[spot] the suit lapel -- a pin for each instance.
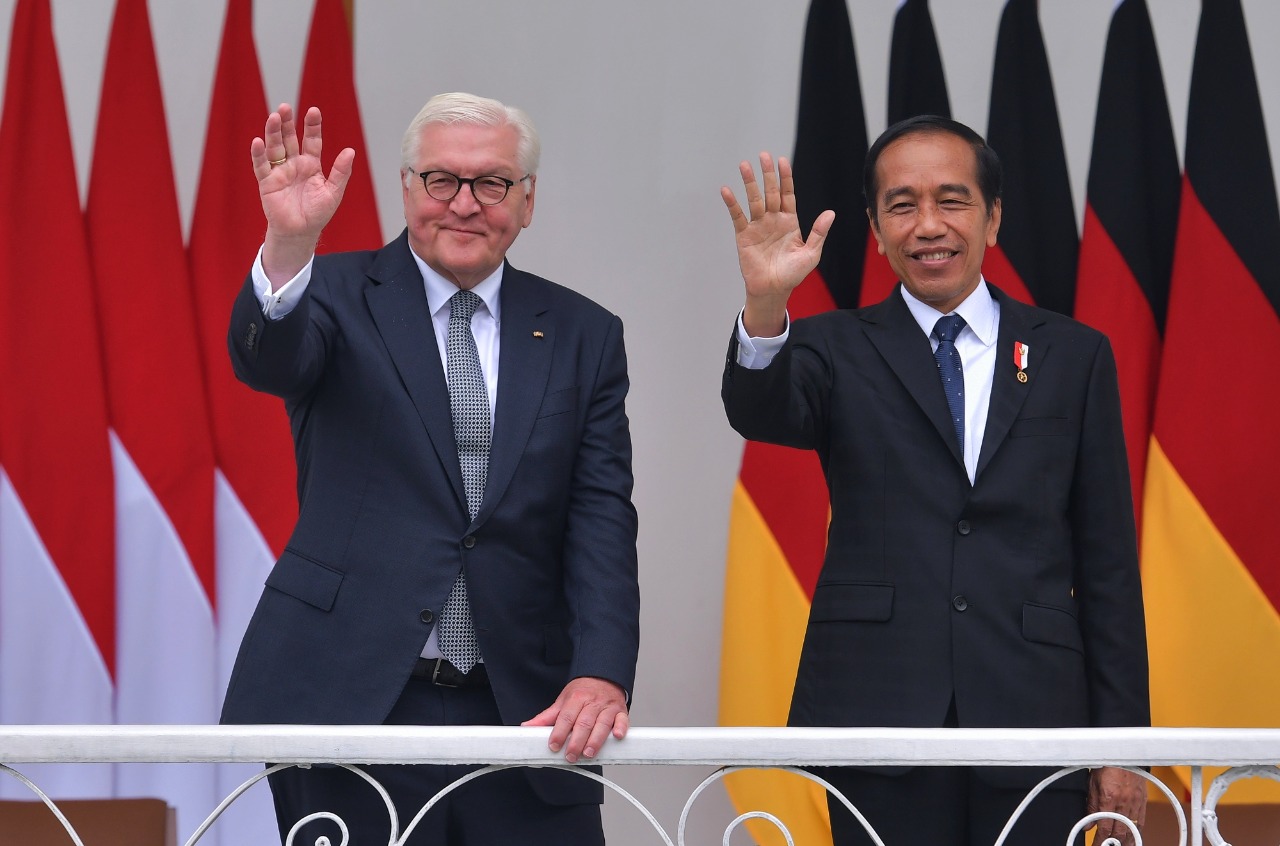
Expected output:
(906, 350)
(398, 303)
(1008, 393)
(528, 339)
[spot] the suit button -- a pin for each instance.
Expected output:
(963, 527)
(960, 603)
(426, 616)
(469, 541)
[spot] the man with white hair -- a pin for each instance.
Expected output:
(465, 551)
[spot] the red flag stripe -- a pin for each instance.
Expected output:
(328, 81)
(1110, 299)
(997, 270)
(53, 424)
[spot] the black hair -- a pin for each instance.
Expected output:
(990, 171)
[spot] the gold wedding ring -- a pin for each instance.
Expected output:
(275, 162)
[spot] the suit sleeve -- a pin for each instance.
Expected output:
(600, 564)
(284, 357)
(1108, 588)
(784, 403)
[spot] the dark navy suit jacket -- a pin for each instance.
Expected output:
(1017, 595)
(383, 527)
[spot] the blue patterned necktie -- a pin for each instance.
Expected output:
(950, 369)
(469, 403)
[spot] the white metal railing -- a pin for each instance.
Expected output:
(1251, 753)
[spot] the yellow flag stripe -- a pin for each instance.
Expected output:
(764, 621)
(1212, 633)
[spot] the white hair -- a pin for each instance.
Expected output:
(471, 109)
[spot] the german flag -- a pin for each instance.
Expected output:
(917, 86)
(1035, 259)
(1131, 221)
(1210, 535)
(779, 514)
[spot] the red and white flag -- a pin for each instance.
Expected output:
(161, 448)
(57, 580)
(255, 498)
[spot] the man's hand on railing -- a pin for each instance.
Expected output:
(1121, 792)
(583, 716)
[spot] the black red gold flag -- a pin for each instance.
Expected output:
(1035, 259)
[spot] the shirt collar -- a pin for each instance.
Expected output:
(439, 289)
(980, 311)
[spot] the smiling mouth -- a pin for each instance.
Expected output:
(935, 255)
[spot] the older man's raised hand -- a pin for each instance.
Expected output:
(297, 198)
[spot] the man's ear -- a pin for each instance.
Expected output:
(528, 202)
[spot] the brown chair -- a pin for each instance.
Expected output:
(99, 822)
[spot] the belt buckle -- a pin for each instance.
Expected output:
(435, 674)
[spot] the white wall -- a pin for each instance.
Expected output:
(645, 107)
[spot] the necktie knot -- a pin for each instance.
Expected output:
(948, 327)
(462, 305)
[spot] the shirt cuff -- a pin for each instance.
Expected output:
(758, 353)
(277, 304)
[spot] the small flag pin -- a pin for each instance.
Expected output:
(1021, 355)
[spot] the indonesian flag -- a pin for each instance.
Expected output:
(1130, 222)
(1210, 534)
(255, 498)
(1035, 259)
(57, 537)
(328, 81)
(779, 512)
(917, 86)
(161, 448)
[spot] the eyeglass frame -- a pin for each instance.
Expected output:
(470, 183)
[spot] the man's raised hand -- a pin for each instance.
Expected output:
(772, 255)
(297, 199)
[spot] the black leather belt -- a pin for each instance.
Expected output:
(440, 672)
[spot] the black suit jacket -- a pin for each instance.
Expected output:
(383, 527)
(1017, 595)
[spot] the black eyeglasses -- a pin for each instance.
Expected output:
(488, 190)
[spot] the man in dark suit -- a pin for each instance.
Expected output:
(981, 566)
(465, 551)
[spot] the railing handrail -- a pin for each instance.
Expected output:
(713, 746)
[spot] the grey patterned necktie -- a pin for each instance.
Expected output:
(946, 330)
(469, 402)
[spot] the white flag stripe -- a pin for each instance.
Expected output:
(45, 643)
(243, 562)
(166, 662)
